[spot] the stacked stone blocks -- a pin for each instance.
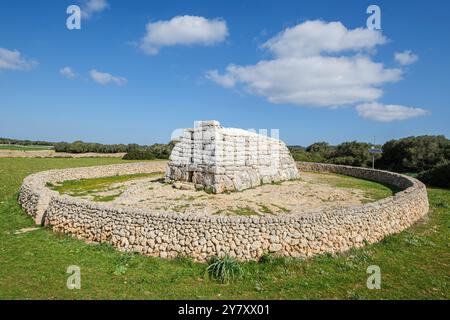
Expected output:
(227, 159)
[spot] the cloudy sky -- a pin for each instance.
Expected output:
(137, 70)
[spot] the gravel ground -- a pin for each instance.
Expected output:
(305, 195)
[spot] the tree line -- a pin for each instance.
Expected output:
(26, 142)
(133, 151)
(410, 155)
(426, 156)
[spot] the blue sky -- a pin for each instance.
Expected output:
(127, 88)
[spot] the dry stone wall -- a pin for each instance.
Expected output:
(170, 234)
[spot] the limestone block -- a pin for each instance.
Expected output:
(229, 158)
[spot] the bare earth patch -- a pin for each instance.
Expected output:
(314, 191)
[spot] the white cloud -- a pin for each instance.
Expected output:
(13, 60)
(406, 57)
(67, 72)
(105, 78)
(312, 67)
(226, 81)
(387, 113)
(183, 30)
(90, 7)
(315, 81)
(314, 37)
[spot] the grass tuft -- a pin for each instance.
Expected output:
(247, 211)
(270, 259)
(265, 209)
(224, 269)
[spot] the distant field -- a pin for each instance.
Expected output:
(414, 264)
(24, 148)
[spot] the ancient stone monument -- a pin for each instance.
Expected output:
(226, 159)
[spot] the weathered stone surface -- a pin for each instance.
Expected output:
(170, 234)
(228, 159)
(183, 186)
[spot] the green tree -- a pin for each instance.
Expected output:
(415, 154)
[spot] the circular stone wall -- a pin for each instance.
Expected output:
(171, 234)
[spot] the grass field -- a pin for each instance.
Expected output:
(24, 148)
(414, 263)
(372, 190)
(84, 187)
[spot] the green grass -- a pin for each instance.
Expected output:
(265, 209)
(84, 187)
(24, 148)
(285, 210)
(244, 211)
(373, 191)
(107, 198)
(414, 264)
(224, 269)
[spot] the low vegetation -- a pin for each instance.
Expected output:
(7, 141)
(438, 176)
(244, 211)
(373, 191)
(412, 154)
(24, 148)
(84, 187)
(135, 151)
(348, 153)
(415, 154)
(156, 151)
(224, 269)
(414, 264)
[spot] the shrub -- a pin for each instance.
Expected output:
(83, 147)
(224, 269)
(345, 161)
(139, 154)
(412, 154)
(321, 149)
(415, 154)
(348, 153)
(353, 153)
(156, 151)
(270, 259)
(300, 154)
(438, 176)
